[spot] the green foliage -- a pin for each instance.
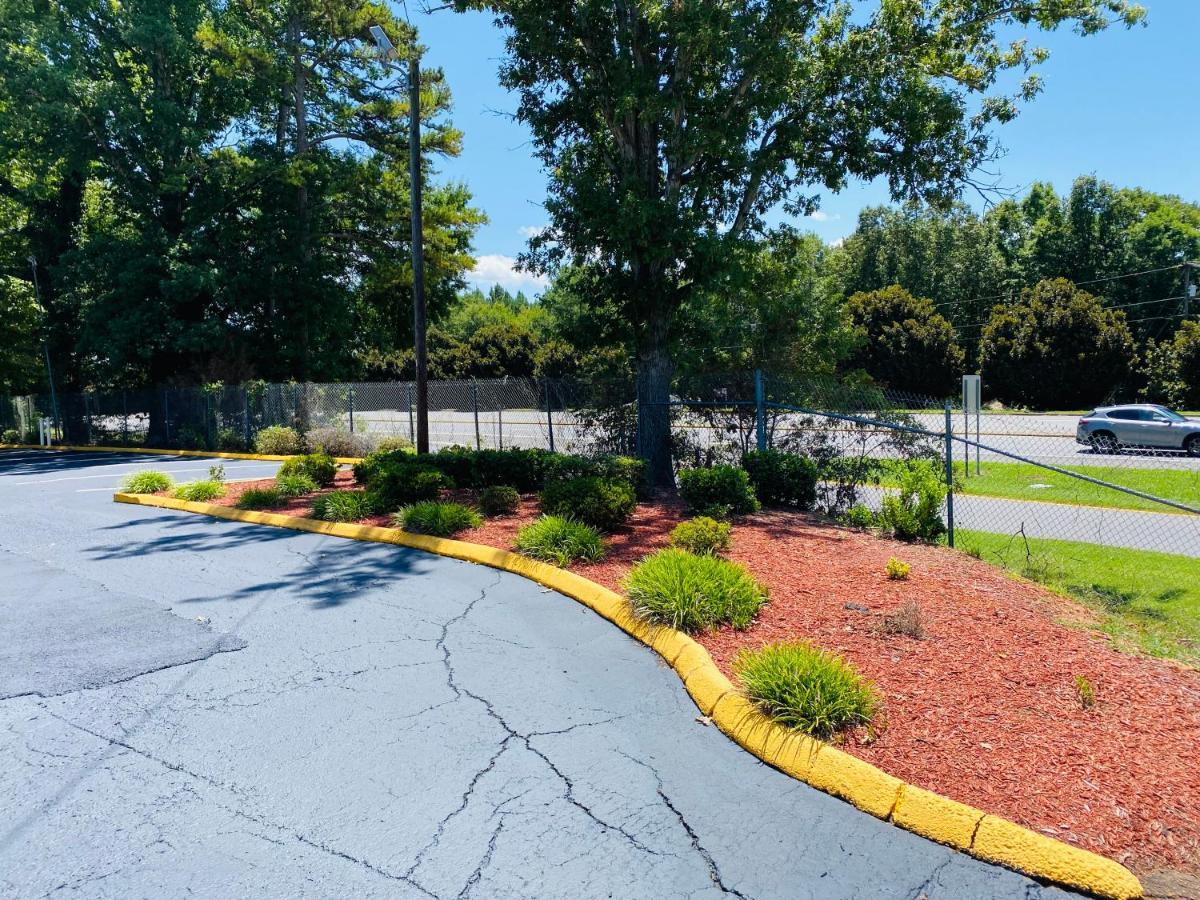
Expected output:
(1055, 347)
(399, 479)
(499, 500)
(200, 491)
(260, 498)
(217, 472)
(906, 343)
(914, 512)
(806, 688)
(560, 540)
(394, 442)
(897, 570)
(295, 485)
(20, 319)
(693, 593)
(1172, 368)
(1085, 691)
(782, 479)
(719, 492)
(520, 468)
(703, 536)
(278, 440)
(147, 482)
(10, 436)
(344, 506)
(436, 518)
(320, 467)
(860, 516)
(599, 502)
(231, 440)
(563, 467)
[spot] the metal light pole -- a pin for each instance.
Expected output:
(418, 241)
(37, 296)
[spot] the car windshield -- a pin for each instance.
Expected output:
(1170, 414)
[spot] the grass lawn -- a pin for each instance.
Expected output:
(1150, 601)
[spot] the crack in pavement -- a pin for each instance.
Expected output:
(921, 892)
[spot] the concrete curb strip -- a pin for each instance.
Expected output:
(814, 762)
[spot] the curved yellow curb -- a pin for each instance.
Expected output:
(825, 767)
(220, 454)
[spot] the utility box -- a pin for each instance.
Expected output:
(972, 388)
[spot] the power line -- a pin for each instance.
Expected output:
(1075, 283)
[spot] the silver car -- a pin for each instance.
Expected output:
(1108, 429)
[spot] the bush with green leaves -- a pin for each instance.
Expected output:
(599, 502)
(392, 442)
(278, 440)
(231, 440)
(914, 512)
(703, 535)
(148, 482)
(343, 506)
(295, 485)
(10, 436)
(339, 442)
(437, 518)
(200, 491)
(782, 479)
(521, 468)
(806, 688)
(499, 500)
(320, 467)
(560, 540)
(718, 492)
(859, 516)
(693, 593)
(566, 466)
(401, 480)
(909, 345)
(260, 498)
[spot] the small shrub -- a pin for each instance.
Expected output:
(10, 436)
(231, 440)
(1085, 692)
(782, 479)
(595, 501)
(859, 516)
(389, 444)
(456, 463)
(200, 491)
(693, 593)
(216, 473)
(148, 482)
(907, 620)
(897, 570)
(278, 440)
(523, 469)
(560, 540)
(499, 500)
(320, 467)
(703, 536)
(192, 438)
(403, 481)
(437, 519)
(296, 485)
(259, 498)
(806, 688)
(565, 467)
(343, 506)
(339, 442)
(718, 492)
(915, 512)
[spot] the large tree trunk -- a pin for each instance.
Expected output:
(654, 373)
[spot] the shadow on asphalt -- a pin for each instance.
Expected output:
(46, 462)
(330, 573)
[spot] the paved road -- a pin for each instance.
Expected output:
(394, 724)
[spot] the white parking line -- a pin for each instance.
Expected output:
(122, 474)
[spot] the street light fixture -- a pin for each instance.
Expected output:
(388, 50)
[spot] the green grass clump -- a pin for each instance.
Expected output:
(560, 540)
(499, 500)
(693, 593)
(343, 506)
(806, 688)
(259, 498)
(148, 482)
(278, 440)
(200, 491)
(1148, 601)
(294, 485)
(702, 535)
(436, 518)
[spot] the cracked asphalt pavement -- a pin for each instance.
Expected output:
(260, 713)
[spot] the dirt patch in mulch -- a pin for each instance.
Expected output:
(984, 709)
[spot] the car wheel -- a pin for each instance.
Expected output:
(1192, 445)
(1104, 442)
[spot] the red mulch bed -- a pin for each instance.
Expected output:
(984, 709)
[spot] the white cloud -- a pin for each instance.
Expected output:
(820, 216)
(529, 231)
(496, 268)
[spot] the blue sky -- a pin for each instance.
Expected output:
(1120, 104)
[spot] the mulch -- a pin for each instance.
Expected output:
(984, 708)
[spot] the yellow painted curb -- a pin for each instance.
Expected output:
(825, 767)
(219, 454)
